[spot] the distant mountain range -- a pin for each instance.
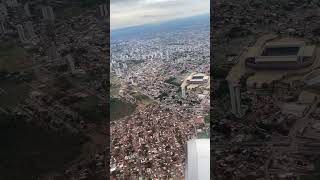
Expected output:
(171, 25)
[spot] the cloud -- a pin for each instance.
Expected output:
(123, 1)
(125, 13)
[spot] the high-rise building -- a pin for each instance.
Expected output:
(183, 90)
(53, 52)
(47, 13)
(3, 28)
(12, 3)
(235, 99)
(21, 33)
(27, 9)
(103, 10)
(71, 63)
(3, 10)
(30, 30)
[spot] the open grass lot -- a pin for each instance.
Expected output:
(142, 99)
(115, 86)
(120, 109)
(114, 90)
(114, 80)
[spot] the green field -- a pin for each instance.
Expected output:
(120, 109)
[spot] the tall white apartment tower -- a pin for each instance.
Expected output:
(47, 13)
(103, 9)
(235, 99)
(21, 33)
(183, 90)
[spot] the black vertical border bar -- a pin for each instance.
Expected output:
(107, 126)
(212, 22)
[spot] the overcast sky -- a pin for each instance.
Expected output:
(125, 13)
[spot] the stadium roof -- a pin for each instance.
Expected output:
(277, 59)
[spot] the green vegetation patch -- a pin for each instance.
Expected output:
(183, 71)
(91, 111)
(220, 72)
(310, 177)
(28, 151)
(63, 83)
(222, 90)
(72, 12)
(114, 80)
(162, 95)
(115, 86)
(13, 58)
(173, 81)
(203, 135)
(16, 93)
(243, 80)
(114, 90)
(120, 109)
(139, 96)
(142, 98)
(315, 176)
(207, 119)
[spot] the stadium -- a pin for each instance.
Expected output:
(281, 55)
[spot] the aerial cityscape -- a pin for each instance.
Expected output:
(159, 98)
(265, 112)
(53, 74)
(160, 89)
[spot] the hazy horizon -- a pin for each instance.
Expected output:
(160, 22)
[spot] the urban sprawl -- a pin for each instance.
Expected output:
(171, 70)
